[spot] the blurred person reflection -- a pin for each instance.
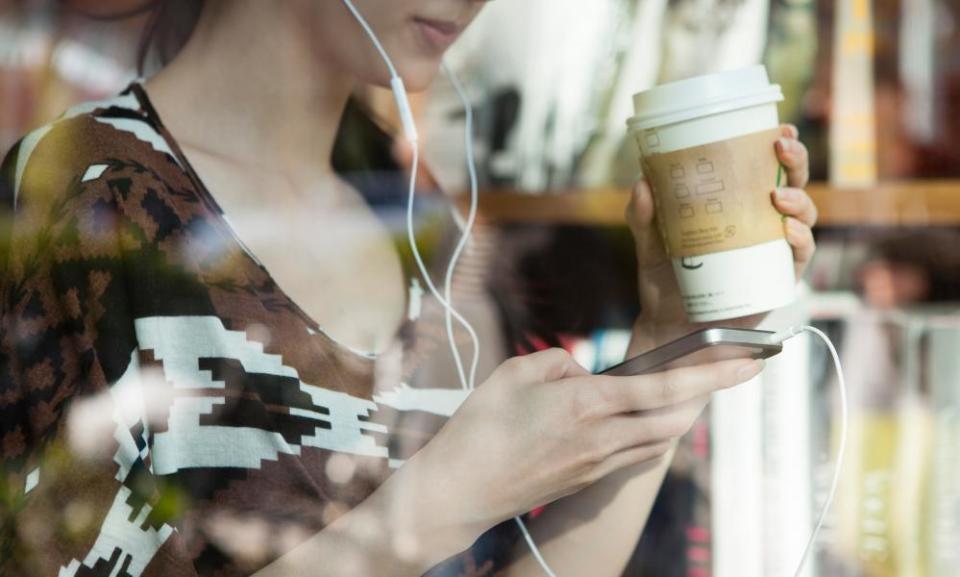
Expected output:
(907, 275)
(904, 271)
(249, 428)
(912, 268)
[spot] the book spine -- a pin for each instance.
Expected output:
(787, 490)
(737, 481)
(943, 506)
(699, 544)
(912, 457)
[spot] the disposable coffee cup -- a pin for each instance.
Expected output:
(707, 148)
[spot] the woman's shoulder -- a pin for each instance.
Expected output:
(87, 142)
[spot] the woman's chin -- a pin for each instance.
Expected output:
(418, 76)
(414, 80)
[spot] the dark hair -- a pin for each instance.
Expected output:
(169, 26)
(932, 250)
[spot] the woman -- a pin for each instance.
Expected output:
(242, 436)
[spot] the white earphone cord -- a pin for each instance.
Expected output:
(468, 380)
(465, 233)
(841, 450)
(448, 282)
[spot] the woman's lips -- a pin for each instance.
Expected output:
(438, 33)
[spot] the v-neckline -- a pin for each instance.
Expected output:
(223, 220)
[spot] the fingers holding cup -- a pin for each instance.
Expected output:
(660, 299)
(793, 155)
(801, 241)
(797, 203)
(800, 216)
(641, 217)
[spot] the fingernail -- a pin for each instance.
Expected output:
(750, 370)
(785, 144)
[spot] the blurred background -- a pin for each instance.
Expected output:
(874, 87)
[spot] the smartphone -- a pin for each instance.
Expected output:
(699, 348)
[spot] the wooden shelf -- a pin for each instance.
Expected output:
(910, 203)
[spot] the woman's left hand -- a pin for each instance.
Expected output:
(662, 316)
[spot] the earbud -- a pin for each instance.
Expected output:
(403, 105)
(396, 83)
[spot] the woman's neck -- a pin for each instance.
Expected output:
(254, 86)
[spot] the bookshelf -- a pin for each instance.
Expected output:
(907, 203)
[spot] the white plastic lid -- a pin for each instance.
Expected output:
(703, 96)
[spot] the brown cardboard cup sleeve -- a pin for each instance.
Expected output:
(716, 197)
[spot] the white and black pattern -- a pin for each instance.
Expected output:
(182, 344)
(338, 421)
(126, 544)
(125, 282)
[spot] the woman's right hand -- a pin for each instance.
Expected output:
(542, 427)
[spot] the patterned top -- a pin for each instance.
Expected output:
(166, 409)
